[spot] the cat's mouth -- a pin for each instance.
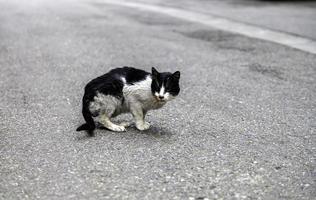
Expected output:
(160, 100)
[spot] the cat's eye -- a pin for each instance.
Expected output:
(168, 83)
(155, 81)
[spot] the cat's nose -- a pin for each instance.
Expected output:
(160, 97)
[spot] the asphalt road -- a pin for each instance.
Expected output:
(292, 16)
(243, 126)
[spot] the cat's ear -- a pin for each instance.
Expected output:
(176, 75)
(154, 72)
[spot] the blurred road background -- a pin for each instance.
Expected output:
(242, 128)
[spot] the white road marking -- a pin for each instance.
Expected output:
(224, 24)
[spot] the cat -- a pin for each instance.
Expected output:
(124, 90)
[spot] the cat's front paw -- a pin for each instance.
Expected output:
(142, 126)
(117, 128)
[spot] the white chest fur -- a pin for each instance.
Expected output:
(140, 94)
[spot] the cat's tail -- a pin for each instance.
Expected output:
(83, 127)
(89, 126)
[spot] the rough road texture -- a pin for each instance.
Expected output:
(242, 128)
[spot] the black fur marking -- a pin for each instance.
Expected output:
(172, 83)
(132, 75)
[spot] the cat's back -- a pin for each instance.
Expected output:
(131, 75)
(114, 81)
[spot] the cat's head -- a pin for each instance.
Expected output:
(165, 85)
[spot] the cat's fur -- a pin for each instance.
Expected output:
(123, 90)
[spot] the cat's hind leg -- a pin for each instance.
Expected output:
(107, 106)
(106, 122)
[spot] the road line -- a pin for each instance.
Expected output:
(224, 24)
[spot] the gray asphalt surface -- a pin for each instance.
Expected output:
(291, 16)
(242, 128)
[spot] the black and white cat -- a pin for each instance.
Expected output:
(123, 90)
